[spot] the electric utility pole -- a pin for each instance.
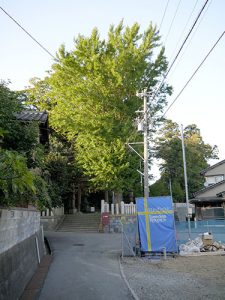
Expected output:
(185, 181)
(144, 95)
(146, 188)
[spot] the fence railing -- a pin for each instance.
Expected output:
(129, 209)
(56, 211)
(118, 208)
(197, 228)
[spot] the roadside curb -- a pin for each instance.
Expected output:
(135, 296)
(35, 285)
(33, 288)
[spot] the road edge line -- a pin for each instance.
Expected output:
(134, 295)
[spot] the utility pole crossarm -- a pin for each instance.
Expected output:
(129, 145)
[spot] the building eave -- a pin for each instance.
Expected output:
(32, 115)
(207, 200)
(212, 167)
(208, 188)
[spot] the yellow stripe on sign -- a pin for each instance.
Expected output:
(147, 225)
(159, 212)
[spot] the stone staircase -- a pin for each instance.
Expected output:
(80, 222)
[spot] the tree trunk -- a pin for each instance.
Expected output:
(131, 196)
(118, 197)
(73, 196)
(79, 198)
(107, 196)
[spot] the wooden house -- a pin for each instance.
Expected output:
(210, 200)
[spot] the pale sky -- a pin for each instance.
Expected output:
(53, 22)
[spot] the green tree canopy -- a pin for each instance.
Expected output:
(169, 150)
(60, 170)
(19, 152)
(15, 135)
(15, 177)
(90, 94)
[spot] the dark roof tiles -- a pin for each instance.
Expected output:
(32, 115)
(208, 188)
(212, 167)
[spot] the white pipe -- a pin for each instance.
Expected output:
(37, 247)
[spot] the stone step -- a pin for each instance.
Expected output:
(80, 222)
(77, 230)
(76, 215)
(80, 226)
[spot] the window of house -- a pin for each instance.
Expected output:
(219, 178)
(214, 179)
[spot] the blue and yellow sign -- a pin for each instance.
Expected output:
(156, 224)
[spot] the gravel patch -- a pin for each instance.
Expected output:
(177, 278)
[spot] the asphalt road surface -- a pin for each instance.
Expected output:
(85, 267)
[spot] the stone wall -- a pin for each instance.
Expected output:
(51, 219)
(51, 223)
(21, 249)
(17, 225)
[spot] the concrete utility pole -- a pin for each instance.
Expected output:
(185, 181)
(146, 188)
(144, 95)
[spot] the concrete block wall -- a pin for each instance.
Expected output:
(17, 225)
(18, 264)
(21, 249)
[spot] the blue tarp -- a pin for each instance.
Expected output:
(156, 224)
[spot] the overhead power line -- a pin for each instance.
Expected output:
(183, 30)
(33, 38)
(164, 14)
(171, 24)
(179, 51)
(210, 51)
(191, 38)
(185, 40)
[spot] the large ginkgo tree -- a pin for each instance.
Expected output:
(90, 94)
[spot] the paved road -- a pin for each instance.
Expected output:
(85, 267)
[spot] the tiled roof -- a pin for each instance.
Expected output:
(207, 199)
(32, 115)
(208, 188)
(212, 167)
(221, 194)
